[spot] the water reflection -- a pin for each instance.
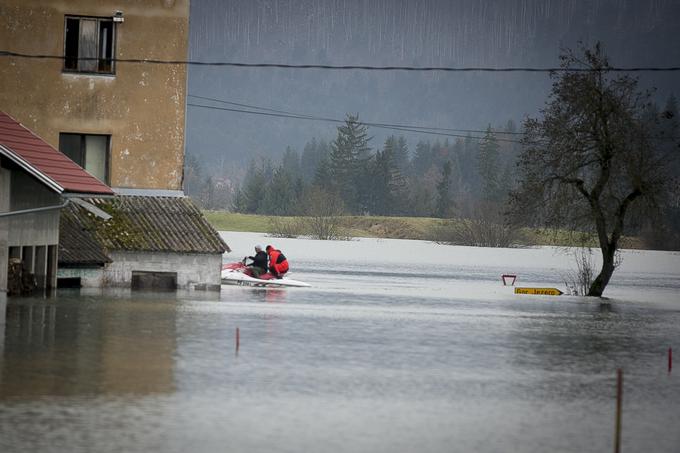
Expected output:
(87, 347)
(382, 360)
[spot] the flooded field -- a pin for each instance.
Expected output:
(399, 346)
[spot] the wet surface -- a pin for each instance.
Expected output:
(374, 357)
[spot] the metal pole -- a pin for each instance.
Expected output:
(31, 211)
(238, 339)
(619, 398)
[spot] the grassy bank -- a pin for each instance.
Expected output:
(422, 228)
(358, 226)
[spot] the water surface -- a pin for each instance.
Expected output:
(398, 346)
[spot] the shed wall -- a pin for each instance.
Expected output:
(90, 277)
(193, 270)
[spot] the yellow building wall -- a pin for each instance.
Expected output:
(142, 106)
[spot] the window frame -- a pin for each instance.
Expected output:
(83, 153)
(114, 33)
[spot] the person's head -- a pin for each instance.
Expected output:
(269, 248)
(258, 248)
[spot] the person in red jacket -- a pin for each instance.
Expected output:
(278, 264)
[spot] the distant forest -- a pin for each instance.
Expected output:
(452, 177)
(440, 178)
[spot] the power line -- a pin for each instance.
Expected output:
(6, 53)
(334, 120)
(423, 128)
(396, 127)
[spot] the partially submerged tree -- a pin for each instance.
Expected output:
(590, 157)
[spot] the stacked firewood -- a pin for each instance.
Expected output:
(19, 279)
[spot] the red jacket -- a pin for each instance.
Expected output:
(278, 264)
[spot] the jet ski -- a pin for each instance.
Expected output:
(239, 274)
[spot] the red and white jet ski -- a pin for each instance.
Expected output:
(240, 274)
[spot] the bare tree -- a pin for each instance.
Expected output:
(591, 156)
(324, 215)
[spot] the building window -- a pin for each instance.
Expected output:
(89, 151)
(88, 44)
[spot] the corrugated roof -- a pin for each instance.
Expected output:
(153, 224)
(47, 160)
(78, 243)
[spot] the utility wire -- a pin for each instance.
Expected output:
(405, 127)
(334, 120)
(6, 53)
(396, 127)
(423, 128)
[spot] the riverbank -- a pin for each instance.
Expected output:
(421, 228)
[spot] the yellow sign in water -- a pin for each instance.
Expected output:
(539, 291)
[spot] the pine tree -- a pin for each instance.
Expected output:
(488, 167)
(279, 197)
(323, 177)
(309, 161)
(389, 191)
(443, 204)
(422, 159)
(348, 163)
(291, 162)
(401, 155)
(253, 189)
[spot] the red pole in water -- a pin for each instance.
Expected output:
(670, 359)
(619, 398)
(238, 338)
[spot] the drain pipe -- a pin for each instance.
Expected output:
(31, 211)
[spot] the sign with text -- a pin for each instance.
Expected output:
(539, 291)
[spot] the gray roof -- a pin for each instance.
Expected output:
(138, 223)
(78, 244)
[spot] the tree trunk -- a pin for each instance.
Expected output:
(610, 246)
(608, 266)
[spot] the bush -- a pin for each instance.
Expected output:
(485, 228)
(324, 216)
(322, 219)
(286, 227)
(578, 281)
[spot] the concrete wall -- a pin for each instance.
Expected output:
(40, 228)
(32, 237)
(90, 277)
(142, 106)
(192, 269)
(4, 229)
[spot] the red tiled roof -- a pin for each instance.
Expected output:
(48, 161)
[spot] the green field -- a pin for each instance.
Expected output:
(358, 226)
(429, 229)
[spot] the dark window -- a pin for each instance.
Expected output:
(166, 281)
(89, 151)
(69, 282)
(88, 44)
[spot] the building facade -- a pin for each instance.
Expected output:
(122, 122)
(95, 79)
(149, 242)
(36, 183)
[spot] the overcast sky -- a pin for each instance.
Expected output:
(455, 33)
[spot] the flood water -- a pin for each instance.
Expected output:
(399, 346)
